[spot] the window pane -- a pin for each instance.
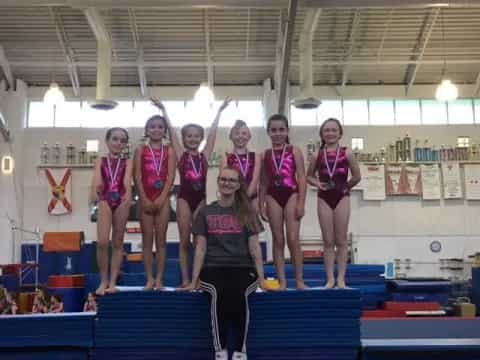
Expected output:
(329, 109)
(357, 144)
(229, 115)
(434, 112)
(92, 118)
(200, 113)
(251, 112)
(355, 112)
(120, 116)
(303, 117)
(68, 114)
(142, 110)
(476, 106)
(460, 112)
(407, 112)
(40, 114)
(381, 112)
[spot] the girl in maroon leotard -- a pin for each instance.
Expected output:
(112, 187)
(248, 163)
(154, 175)
(192, 168)
(329, 173)
(282, 197)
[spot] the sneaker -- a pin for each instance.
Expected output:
(239, 356)
(221, 355)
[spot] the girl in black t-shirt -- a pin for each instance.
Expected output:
(228, 261)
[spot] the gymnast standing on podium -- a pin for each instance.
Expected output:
(228, 261)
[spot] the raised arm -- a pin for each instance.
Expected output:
(174, 139)
(212, 132)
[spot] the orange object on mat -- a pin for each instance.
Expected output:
(412, 306)
(66, 281)
(135, 257)
(383, 314)
(25, 302)
(62, 241)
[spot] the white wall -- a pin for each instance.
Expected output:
(400, 227)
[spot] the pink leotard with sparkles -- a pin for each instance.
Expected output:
(193, 186)
(288, 186)
(149, 175)
(247, 162)
(340, 176)
(113, 187)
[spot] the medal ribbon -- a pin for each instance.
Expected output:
(278, 167)
(157, 164)
(194, 167)
(331, 171)
(243, 169)
(112, 175)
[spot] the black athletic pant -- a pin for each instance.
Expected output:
(229, 288)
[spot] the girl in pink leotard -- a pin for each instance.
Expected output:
(282, 197)
(154, 165)
(328, 172)
(192, 167)
(111, 186)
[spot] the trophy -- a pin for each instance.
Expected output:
(44, 153)
(70, 154)
(57, 152)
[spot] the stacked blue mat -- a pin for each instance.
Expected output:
(421, 339)
(418, 291)
(310, 324)
(153, 325)
(314, 324)
(366, 278)
(46, 337)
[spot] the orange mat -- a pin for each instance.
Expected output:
(63, 241)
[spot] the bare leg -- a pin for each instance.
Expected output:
(161, 225)
(104, 224)
(341, 219)
(120, 218)
(325, 218)
(146, 222)
(184, 221)
(275, 216)
(293, 240)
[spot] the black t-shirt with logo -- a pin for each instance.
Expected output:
(227, 239)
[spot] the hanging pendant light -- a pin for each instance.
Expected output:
(54, 95)
(446, 91)
(204, 95)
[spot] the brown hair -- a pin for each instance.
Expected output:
(110, 131)
(152, 119)
(336, 121)
(195, 126)
(244, 211)
(278, 117)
